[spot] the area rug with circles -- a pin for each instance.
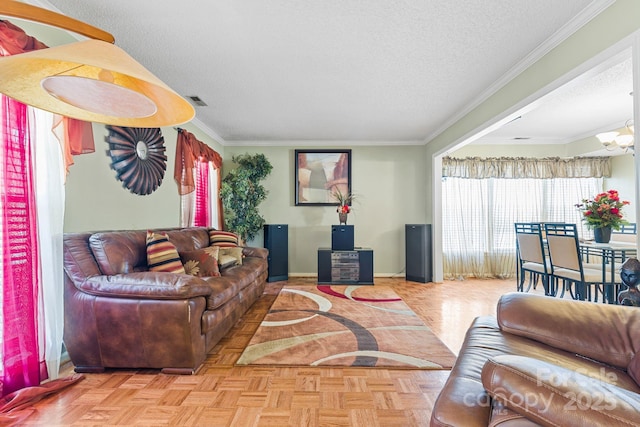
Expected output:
(367, 326)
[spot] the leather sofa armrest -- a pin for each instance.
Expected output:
(603, 332)
(552, 395)
(255, 252)
(146, 285)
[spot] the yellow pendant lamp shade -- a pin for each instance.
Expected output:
(93, 81)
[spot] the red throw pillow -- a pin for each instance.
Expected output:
(202, 262)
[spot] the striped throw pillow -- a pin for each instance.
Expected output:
(224, 239)
(162, 255)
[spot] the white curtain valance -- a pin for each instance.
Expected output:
(523, 167)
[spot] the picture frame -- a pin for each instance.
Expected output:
(319, 173)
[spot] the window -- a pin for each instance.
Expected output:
(478, 236)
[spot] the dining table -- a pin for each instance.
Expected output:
(611, 254)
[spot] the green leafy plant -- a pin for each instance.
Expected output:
(604, 210)
(241, 193)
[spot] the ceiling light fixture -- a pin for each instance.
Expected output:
(623, 139)
(91, 80)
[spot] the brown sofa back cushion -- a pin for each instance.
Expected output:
(634, 368)
(602, 332)
(121, 252)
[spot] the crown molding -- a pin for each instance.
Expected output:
(207, 130)
(319, 143)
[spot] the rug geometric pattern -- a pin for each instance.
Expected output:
(367, 326)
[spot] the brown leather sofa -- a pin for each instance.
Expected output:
(546, 361)
(119, 315)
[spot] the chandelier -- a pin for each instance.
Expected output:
(623, 139)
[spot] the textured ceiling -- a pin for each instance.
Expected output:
(580, 109)
(330, 70)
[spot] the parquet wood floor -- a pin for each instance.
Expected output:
(221, 394)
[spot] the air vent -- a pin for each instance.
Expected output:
(195, 100)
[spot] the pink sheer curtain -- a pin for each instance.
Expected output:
(191, 152)
(22, 361)
(22, 365)
(202, 214)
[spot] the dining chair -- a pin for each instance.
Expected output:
(588, 280)
(626, 233)
(531, 257)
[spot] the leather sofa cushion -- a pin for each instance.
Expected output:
(501, 416)
(553, 395)
(484, 340)
(121, 252)
(233, 280)
(634, 368)
(597, 331)
(189, 240)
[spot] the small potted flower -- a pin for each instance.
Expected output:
(602, 214)
(344, 201)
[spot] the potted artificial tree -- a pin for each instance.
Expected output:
(241, 193)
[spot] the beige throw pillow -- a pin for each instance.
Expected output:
(228, 257)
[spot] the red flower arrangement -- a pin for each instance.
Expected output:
(344, 200)
(604, 210)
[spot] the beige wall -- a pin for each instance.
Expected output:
(385, 179)
(611, 27)
(395, 183)
(514, 150)
(96, 200)
(388, 182)
(623, 180)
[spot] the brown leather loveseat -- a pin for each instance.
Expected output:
(546, 361)
(120, 315)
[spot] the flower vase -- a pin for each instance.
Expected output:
(342, 217)
(602, 234)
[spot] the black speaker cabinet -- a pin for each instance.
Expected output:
(342, 237)
(276, 239)
(418, 266)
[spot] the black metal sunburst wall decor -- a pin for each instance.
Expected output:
(138, 157)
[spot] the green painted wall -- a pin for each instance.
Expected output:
(615, 24)
(394, 182)
(611, 26)
(388, 182)
(623, 180)
(96, 200)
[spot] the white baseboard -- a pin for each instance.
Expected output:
(396, 275)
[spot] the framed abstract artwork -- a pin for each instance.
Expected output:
(319, 174)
